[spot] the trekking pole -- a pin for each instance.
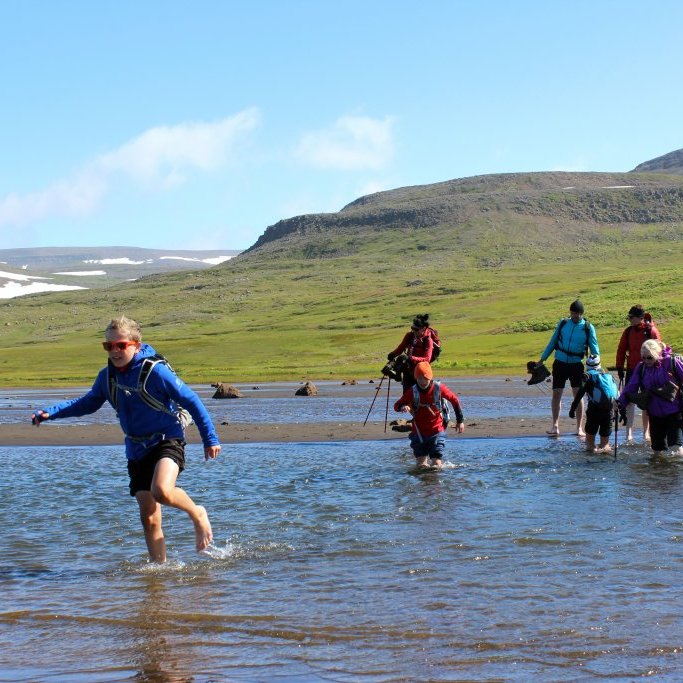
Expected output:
(386, 412)
(373, 400)
(616, 429)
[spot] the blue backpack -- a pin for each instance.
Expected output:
(604, 388)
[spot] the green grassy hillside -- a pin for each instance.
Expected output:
(328, 300)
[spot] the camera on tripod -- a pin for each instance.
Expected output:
(395, 368)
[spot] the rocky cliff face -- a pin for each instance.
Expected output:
(668, 163)
(586, 198)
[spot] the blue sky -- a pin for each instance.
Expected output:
(198, 124)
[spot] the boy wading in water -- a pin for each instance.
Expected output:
(428, 436)
(147, 397)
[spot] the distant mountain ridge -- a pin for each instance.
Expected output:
(43, 269)
(464, 209)
(667, 163)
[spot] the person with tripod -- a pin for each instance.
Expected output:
(417, 346)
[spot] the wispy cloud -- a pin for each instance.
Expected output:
(166, 154)
(350, 143)
(163, 157)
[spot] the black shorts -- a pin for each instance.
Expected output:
(598, 419)
(567, 371)
(141, 472)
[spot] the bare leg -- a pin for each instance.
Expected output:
(630, 418)
(604, 445)
(436, 462)
(646, 426)
(150, 516)
(421, 462)
(555, 408)
(590, 442)
(166, 492)
(579, 414)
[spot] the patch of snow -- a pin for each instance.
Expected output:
(24, 267)
(78, 273)
(571, 187)
(212, 261)
(617, 187)
(125, 261)
(217, 259)
(10, 290)
(21, 278)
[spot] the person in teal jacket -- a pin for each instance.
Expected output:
(573, 338)
(153, 406)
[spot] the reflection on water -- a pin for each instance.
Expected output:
(523, 560)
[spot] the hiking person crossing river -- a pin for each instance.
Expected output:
(572, 339)
(655, 385)
(640, 329)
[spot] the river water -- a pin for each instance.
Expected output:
(523, 560)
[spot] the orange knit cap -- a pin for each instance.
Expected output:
(423, 369)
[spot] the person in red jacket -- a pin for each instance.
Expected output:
(417, 345)
(640, 329)
(428, 436)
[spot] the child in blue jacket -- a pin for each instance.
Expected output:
(149, 399)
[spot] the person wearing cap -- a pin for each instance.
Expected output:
(572, 339)
(417, 345)
(602, 392)
(428, 434)
(640, 329)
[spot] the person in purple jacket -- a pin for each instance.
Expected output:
(655, 386)
(153, 406)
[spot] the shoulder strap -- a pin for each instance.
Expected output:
(113, 387)
(437, 393)
(148, 364)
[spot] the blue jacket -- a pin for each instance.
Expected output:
(143, 426)
(569, 341)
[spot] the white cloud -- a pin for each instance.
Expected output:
(350, 143)
(164, 156)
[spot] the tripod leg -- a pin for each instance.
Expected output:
(386, 412)
(373, 400)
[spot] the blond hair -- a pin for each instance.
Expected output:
(125, 326)
(652, 347)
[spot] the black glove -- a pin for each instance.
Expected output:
(391, 355)
(38, 417)
(621, 374)
(622, 416)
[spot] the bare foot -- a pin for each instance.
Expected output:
(202, 529)
(580, 432)
(553, 432)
